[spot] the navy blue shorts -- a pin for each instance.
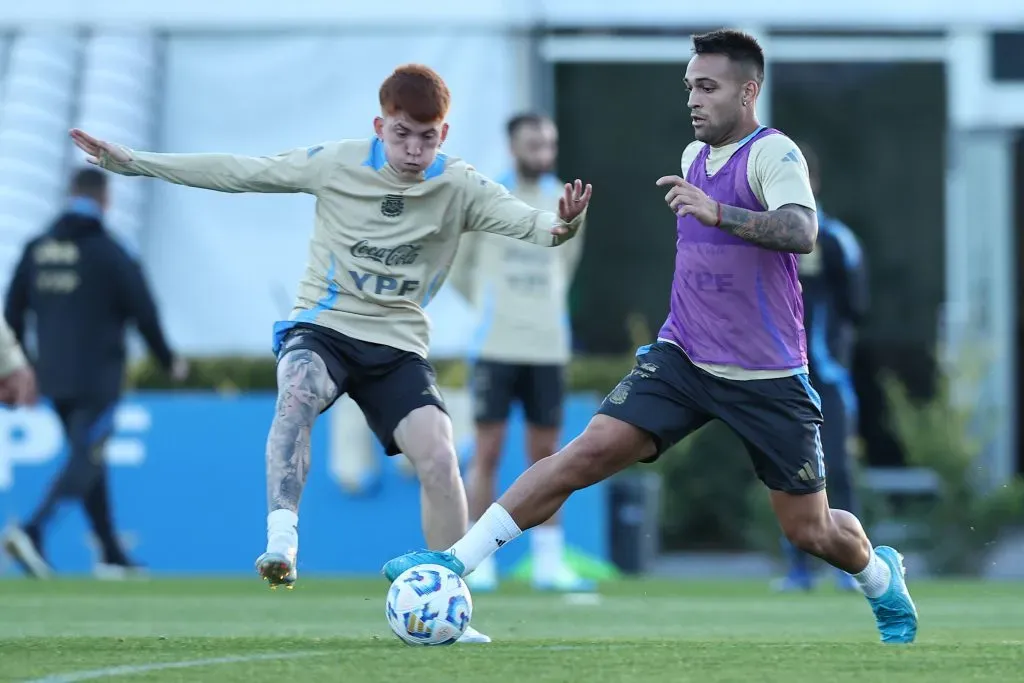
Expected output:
(778, 420)
(386, 383)
(539, 389)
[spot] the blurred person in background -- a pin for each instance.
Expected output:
(522, 344)
(82, 289)
(835, 291)
(17, 380)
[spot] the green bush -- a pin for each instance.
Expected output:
(945, 433)
(707, 499)
(585, 374)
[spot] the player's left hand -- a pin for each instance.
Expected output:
(572, 203)
(689, 200)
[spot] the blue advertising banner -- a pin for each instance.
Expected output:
(188, 486)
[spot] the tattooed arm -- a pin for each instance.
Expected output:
(779, 177)
(305, 388)
(791, 228)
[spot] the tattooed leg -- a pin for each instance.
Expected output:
(304, 389)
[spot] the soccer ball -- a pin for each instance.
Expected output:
(428, 605)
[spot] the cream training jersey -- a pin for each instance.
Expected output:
(519, 290)
(776, 181)
(382, 243)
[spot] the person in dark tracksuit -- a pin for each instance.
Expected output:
(82, 289)
(835, 292)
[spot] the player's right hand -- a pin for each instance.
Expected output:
(96, 148)
(686, 199)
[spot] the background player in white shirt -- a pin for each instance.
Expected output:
(389, 214)
(522, 343)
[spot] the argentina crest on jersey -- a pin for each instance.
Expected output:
(620, 393)
(393, 205)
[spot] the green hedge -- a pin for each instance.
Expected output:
(586, 374)
(949, 433)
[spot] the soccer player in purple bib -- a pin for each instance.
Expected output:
(733, 346)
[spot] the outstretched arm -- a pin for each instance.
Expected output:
(298, 170)
(491, 208)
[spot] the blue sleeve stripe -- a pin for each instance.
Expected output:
(847, 240)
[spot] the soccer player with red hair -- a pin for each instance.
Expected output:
(389, 214)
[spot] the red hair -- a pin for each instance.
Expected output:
(416, 90)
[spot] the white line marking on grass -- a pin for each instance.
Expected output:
(131, 669)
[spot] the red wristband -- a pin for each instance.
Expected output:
(718, 223)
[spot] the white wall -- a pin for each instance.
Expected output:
(225, 267)
(494, 13)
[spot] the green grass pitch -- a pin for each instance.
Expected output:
(226, 630)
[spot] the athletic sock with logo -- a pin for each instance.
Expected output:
(494, 529)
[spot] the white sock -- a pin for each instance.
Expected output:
(283, 533)
(487, 570)
(547, 543)
(874, 579)
(494, 529)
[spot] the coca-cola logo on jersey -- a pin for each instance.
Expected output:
(402, 255)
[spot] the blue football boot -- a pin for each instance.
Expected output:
(393, 568)
(895, 613)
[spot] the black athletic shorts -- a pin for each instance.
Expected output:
(778, 420)
(540, 389)
(386, 383)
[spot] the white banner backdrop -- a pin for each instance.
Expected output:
(225, 267)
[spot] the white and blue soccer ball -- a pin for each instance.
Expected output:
(429, 605)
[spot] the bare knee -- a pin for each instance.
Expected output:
(425, 436)
(436, 464)
(304, 387)
(809, 530)
(808, 536)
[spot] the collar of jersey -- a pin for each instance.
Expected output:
(378, 161)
